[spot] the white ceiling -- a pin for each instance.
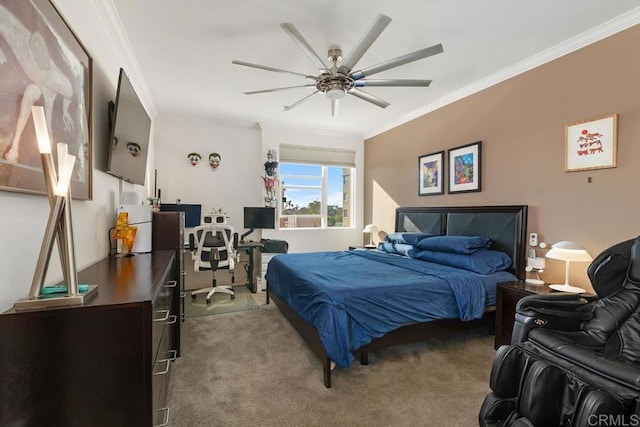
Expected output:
(184, 52)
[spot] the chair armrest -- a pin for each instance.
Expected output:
(560, 305)
(192, 244)
(562, 312)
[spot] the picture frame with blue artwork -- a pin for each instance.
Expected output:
(431, 174)
(465, 168)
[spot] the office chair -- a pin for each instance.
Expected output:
(214, 246)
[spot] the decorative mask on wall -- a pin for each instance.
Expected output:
(133, 148)
(194, 158)
(214, 160)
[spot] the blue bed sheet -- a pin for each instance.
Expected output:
(355, 296)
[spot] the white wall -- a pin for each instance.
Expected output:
(23, 217)
(232, 186)
(238, 180)
(311, 240)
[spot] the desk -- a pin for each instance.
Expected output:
(250, 249)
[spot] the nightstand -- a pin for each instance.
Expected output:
(507, 296)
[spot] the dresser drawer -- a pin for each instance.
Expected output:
(160, 379)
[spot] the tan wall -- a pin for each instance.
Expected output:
(521, 123)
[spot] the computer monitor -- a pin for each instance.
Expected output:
(258, 218)
(192, 213)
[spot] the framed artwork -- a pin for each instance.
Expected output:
(430, 174)
(465, 168)
(42, 63)
(591, 144)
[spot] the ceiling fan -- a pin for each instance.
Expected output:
(339, 79)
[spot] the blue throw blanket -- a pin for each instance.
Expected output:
(353, 297)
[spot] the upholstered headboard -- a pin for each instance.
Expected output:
(505, 225)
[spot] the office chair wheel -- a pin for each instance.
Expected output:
(208, 301)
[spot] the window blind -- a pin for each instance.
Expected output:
(317, 155)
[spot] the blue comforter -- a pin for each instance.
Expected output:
(355, 296)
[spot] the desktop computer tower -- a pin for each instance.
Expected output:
(140, 216)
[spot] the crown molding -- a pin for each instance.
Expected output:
(129, 60)
(609, 28)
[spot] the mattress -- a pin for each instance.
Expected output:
(355, 296)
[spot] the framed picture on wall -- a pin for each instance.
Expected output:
(431, 174)
(37, 38)
(465, 168)
(591, 144)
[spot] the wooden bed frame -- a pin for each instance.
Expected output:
(505, 225)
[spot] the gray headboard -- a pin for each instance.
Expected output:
(505, 225)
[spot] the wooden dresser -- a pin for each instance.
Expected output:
(106, 363)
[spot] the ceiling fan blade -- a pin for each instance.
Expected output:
(304, 45)
(277, 70)
(368, 97)
(253, 92)
(396, 62)
(391, 83)
(375, 29)
(335, 106)
(295, 104)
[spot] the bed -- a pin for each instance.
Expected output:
(347, 303)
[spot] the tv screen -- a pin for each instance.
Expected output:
(130, 130)
(259, 217)
(192, 213)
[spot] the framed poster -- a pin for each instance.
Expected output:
(465, 168)
(430, 174)
(42, 63)
(591, 144)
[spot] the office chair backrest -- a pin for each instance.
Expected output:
(214, 237)
(214, 219)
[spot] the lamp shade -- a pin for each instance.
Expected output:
(569, 251)
(370, 228)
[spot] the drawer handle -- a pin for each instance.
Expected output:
(183, 295)
(172, 319)
(173, 354)
(171, 284)
(165, 419)
(162, 319)
(166, 366)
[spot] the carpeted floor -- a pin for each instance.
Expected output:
(251, 368)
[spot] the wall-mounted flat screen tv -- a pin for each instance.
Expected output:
(130, 131)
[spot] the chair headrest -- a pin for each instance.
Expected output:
(608, 270)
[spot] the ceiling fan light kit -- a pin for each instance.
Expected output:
(339, 79)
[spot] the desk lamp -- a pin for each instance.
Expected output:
(371, 229)
(568, 251)
(58, 228)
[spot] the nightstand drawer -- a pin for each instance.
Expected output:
(507, 296)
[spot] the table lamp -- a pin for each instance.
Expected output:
(371, 229)
(568, 251)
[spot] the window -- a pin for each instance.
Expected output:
(316, 187)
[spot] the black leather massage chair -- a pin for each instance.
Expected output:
(574, 360)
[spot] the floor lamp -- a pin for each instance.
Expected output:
(59, 227)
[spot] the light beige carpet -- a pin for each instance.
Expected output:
(252, 368)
